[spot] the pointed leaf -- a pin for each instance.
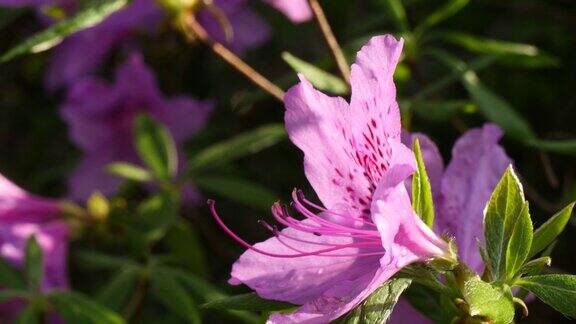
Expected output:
(561, 146)
(249, 302)
(34, 263)
(239, 146)
(501, 213)
(548, 232)
(519, 243)
(535, 266)
(173, 296)
(88, 17)
(77, 308)
(398, 13)
(517, 53)
(446, 11)
(117, 291)
(129, 171)
(421, 189)
(494, 303)
(378, 307)
(558, 291)
(321, 79)
(156, 147)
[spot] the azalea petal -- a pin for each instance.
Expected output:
(297, 11)
(16, 205)
(299, 279)
(477, 164)
(136, 84)
(373, 90)
(319, 126)
(403, 234)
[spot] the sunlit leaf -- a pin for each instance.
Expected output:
(486, 300)
(378, 307)
(321, 79)
(249, 301)
(547, 232)
(558, 291)
(129, 171)
(88, 17)
(156, 147)
(421, 189)
(519, 242)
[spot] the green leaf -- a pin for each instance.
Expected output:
(519, 243)
(503, 211)
(564, 146)
(249, 302)
(77, 308)
(421, 189)
(29, 315)
(485, 300)
(10, 277)
(129, 171)
(321, 79)
(184, 244)
(517, 53)
(241, 145)
(173, 296)
(238, 190)
(497, 109)
(535, 266)
(398, 13)
(558, 291)
(440, 110)
(88, 17)
(34, 264)
(117, 291)
(378, 307)
(548, 232)
(157, 214)
(492, 106)
(90, 259)
(448, 10)
(156, 147)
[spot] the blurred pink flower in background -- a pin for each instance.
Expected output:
(100, 116)
(297, 11)
(366, 229)
(22, 216)
(82, 53)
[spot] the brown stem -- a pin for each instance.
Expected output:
(330, 39)
(194, 30)
(134, 306)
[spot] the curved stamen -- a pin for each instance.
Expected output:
(321, 252)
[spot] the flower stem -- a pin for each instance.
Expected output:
(337, 52)
(194, 30)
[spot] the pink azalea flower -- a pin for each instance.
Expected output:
(23, 215)
(297, 11)
(461, 192)
(366, 229)
(82, 53)
(100, 116)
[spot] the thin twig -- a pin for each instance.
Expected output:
(330, 39)
(549, 170)
(194, 30)
(134, 306)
